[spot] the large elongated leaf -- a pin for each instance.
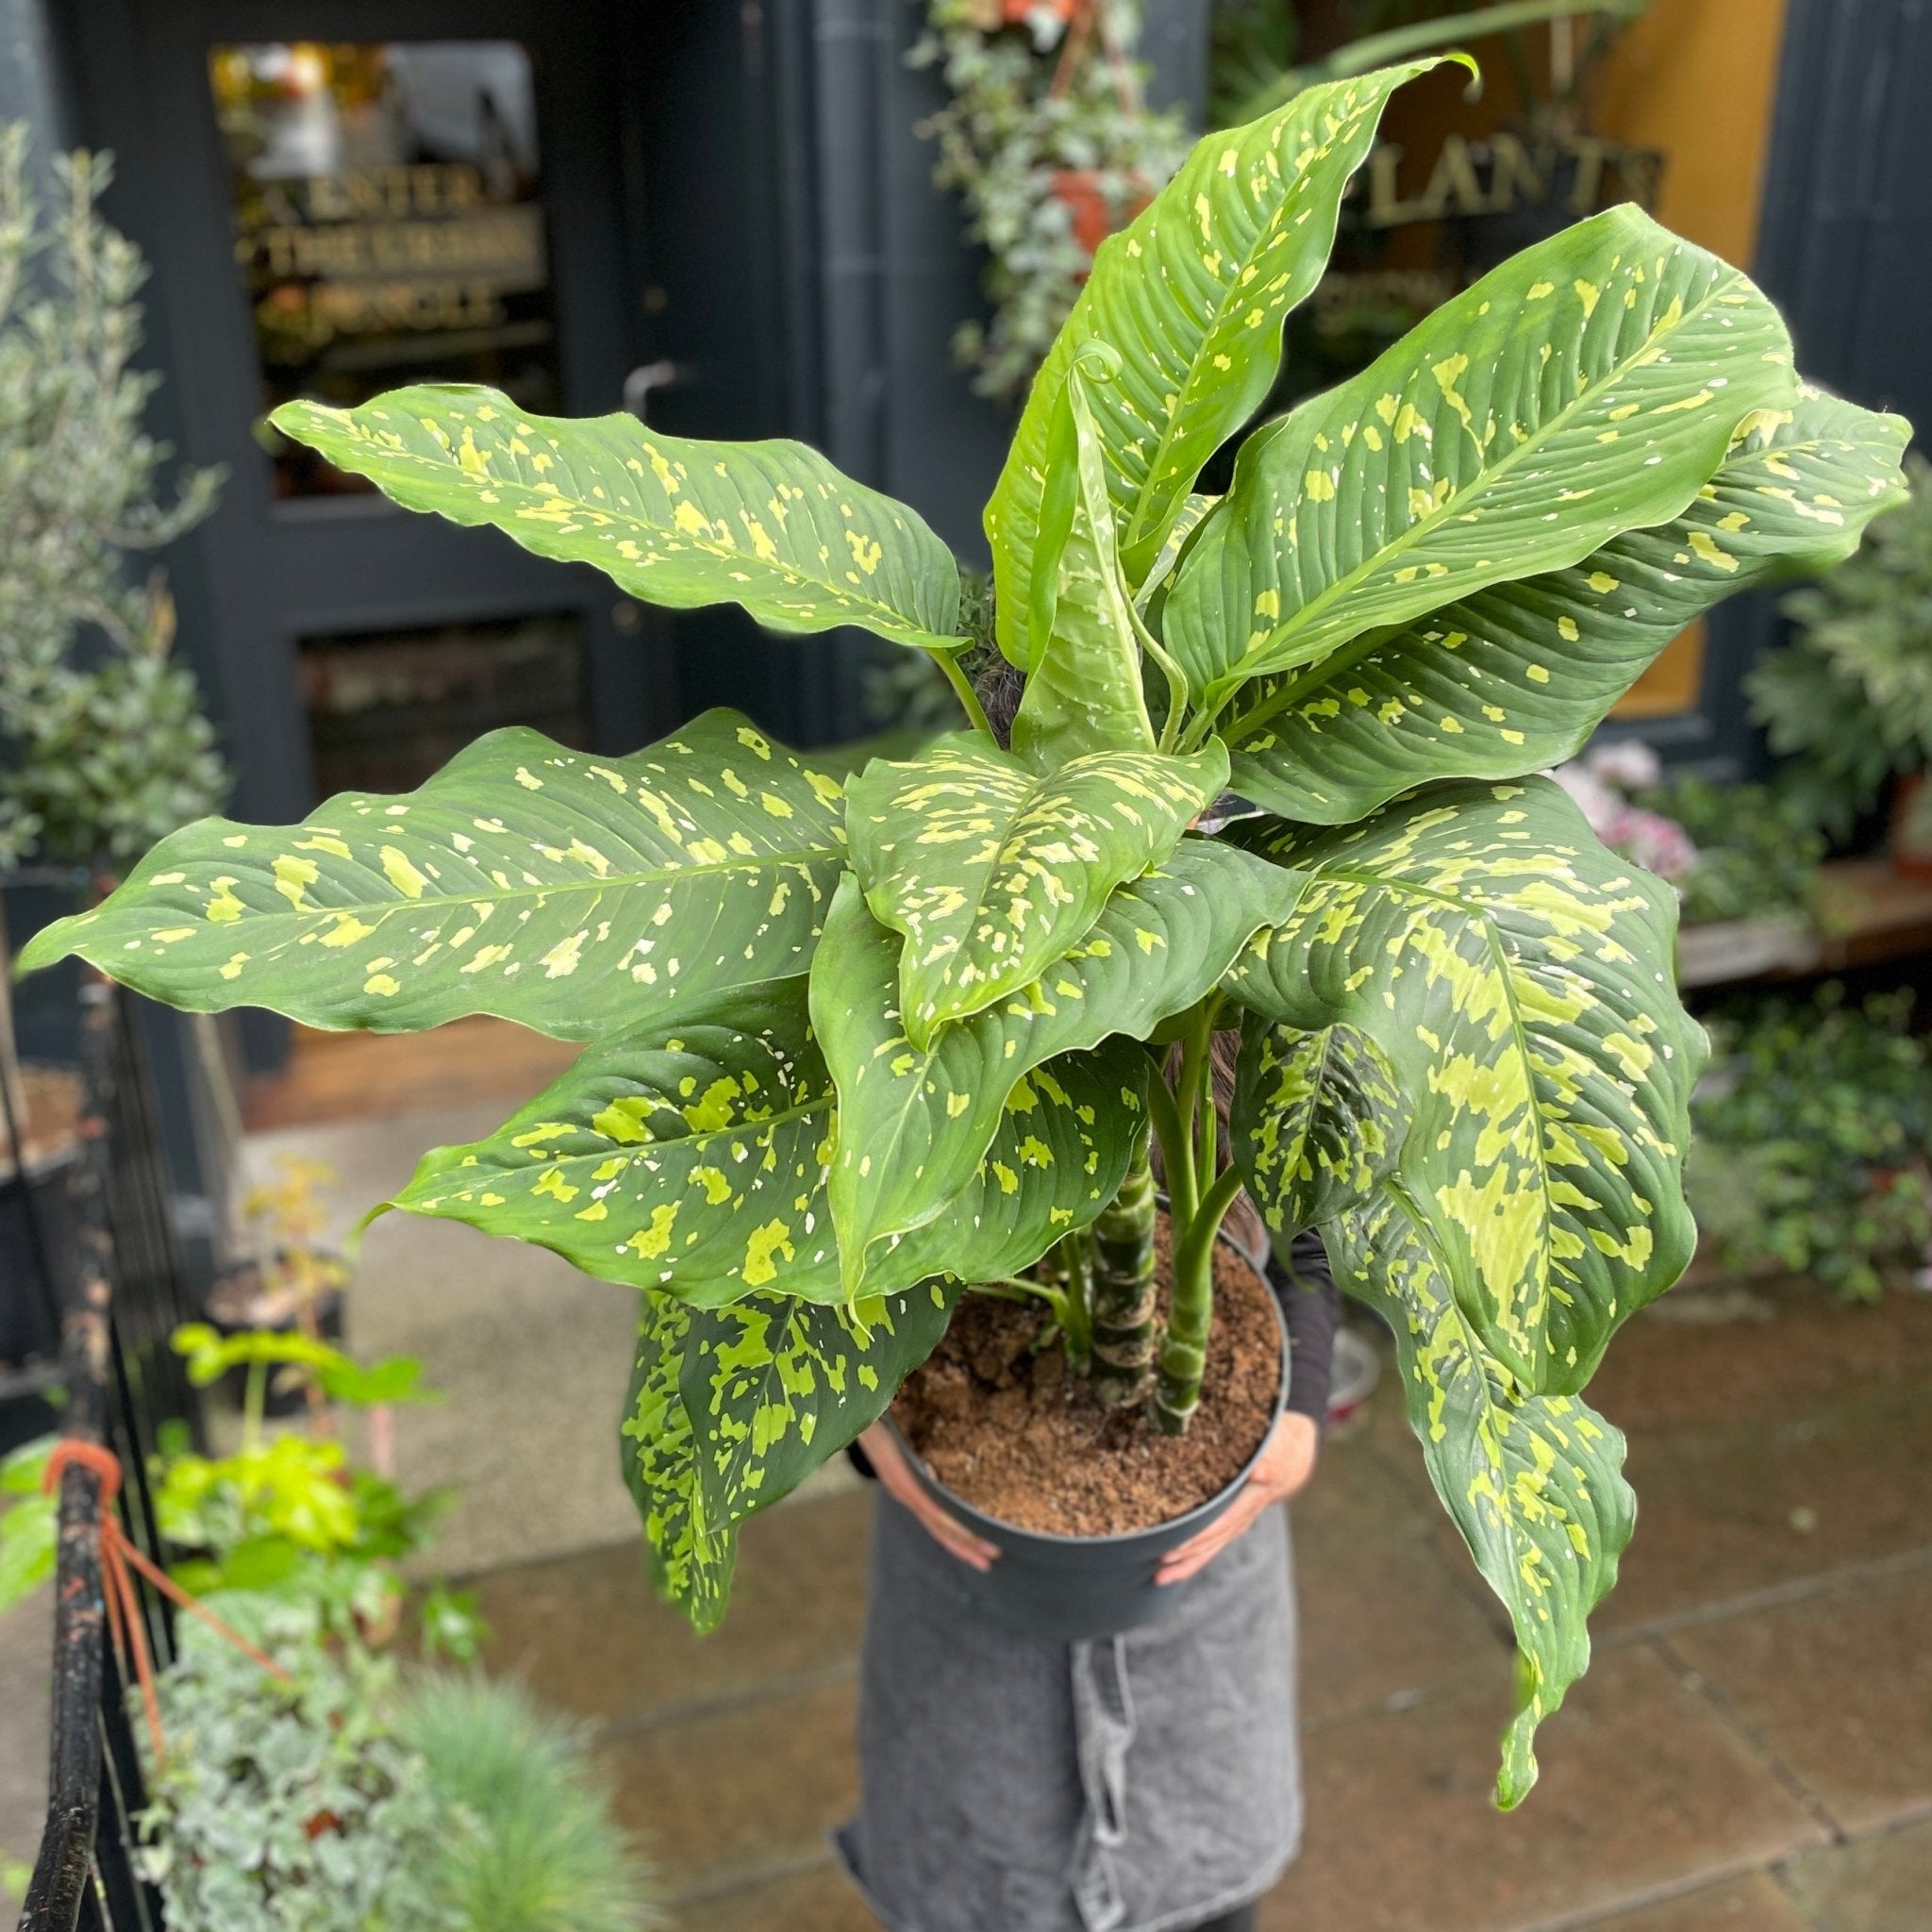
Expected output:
(567, 891)
(1516, 677)
(992, 871)
(1193, 295)
(1316, 1120)
(770, 525)
(913, 1123)
(1518, 979)
(1588, 386)
(731, 1408)
(690, 1155)
(1084, 691)
(1535, 1483)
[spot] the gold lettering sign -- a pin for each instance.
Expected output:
(1573, 173)
(389, 222)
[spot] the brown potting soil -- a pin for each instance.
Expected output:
(1027, 1442)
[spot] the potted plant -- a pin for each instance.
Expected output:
(852, 1053)
(1848, 701)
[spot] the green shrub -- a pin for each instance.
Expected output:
(1813, 1149)
(537, 1850)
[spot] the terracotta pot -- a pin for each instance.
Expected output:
(1079, 192)
(1067, 1589)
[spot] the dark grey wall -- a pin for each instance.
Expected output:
(1845, 251)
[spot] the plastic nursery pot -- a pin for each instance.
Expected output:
(1066, 1589)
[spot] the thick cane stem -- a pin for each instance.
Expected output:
(1191, 1311)
(1123, 1301)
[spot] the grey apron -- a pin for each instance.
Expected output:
(1136, 1784)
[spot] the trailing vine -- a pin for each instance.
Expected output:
(1049, 143)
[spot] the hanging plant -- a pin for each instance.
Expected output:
(1050, 144)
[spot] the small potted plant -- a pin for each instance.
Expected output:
(855, 1053)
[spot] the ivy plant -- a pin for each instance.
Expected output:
(851, 1051)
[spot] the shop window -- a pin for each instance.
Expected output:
(389, 224)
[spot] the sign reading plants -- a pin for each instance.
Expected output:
(849, 1053)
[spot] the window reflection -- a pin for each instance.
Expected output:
(388, 223)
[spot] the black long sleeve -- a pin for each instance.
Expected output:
(1311, 1306)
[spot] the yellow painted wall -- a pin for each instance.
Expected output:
(1697, 78)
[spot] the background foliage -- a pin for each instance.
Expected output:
(103, 745)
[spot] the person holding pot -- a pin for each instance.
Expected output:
(1145, 1782)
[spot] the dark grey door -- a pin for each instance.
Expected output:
(338, 196)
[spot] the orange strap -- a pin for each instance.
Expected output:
(118, 1557)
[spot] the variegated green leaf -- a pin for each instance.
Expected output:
(569, 892)
(1316, 1120)
(690, 1154)
(770, 525)
(1588, 386)
(1084, 690)
(990, 871)
(731, 1408)
(1193, 295)
(914, 1122)
(1518, 979)
(1516, 677)
(1535, 1483)
(1186, 520)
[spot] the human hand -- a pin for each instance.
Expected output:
(1283, 1468)
(896, 1478)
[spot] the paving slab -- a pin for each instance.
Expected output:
(532, 1359)
(26, 1662)
(1806, 1350)
(1881, 1884)
(1754, 1904)
(589, 1633)
(1766, 1502)
(733, 1794)
(1645, 1789)
(1386, 1621)
(821, 1900)
(1838, 1686)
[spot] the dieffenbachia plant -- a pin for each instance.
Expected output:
(849, 1050)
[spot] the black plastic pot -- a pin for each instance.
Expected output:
(1070, 1587)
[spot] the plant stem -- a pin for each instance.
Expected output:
(1176, 1146)
(1123, 1288)
(962, 690)
(1191, 1310)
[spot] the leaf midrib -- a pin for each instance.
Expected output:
(1437, 519)
(605, 514)
(253, 921)
(1485, 922)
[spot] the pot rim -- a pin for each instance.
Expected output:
(1167, 1525)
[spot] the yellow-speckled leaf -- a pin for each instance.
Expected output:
(731, 1408)
(990, 871)
(770, 525)
(571, 892)
(1193, 295)
(1516, 677)
(1588, 386)
(1535, 1483)
(1518, 979)
(1316, 1120)
(1084, 676)
(914, 1124)
(690, 1154)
